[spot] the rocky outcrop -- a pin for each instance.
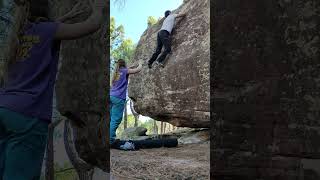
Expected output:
(179, 93)
(266, 90)
(81, 89)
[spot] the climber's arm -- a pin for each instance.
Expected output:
(135, 70)
(181, 15)
(77, 30)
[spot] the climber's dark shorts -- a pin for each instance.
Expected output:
(163, 39)
(22, 146)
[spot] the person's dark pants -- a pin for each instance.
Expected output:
(163, 39)
(22, 146)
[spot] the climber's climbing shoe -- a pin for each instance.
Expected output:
(149, 65)
(161, 65)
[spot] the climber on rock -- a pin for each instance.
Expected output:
(119, 85)
(164, 39)
(27, 96)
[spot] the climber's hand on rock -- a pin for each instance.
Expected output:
(135, 70)
(135, 65)
(181, 15)
(81, 29)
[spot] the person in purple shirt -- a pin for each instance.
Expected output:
(27, 96)
(118, 90)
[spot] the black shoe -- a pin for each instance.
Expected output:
(149, 66)
(161, 65)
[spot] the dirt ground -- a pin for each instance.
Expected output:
(190, 162)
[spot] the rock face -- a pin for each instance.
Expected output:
(179, 93)
(266, 90)
(82, 87)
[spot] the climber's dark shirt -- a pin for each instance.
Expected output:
(31, 79)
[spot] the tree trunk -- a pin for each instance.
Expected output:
(84, 170)
(136, 118)
(155, 127)
(49, 166)
(135, 114)
(161, 128)
(49, 161)
(82, 86)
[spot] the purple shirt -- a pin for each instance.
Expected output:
(30, 85)
(119, 87)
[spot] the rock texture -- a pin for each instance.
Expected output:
(12, 15)
(81, 89)
(266, 90)
(179, 93)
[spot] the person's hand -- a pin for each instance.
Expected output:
(134, 65)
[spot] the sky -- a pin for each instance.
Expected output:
(133, 14)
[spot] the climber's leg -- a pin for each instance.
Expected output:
(118, 106)
(25, 146)
(157, 51)
(166, 41)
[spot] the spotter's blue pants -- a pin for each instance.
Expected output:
(22, 146)
(116, 113)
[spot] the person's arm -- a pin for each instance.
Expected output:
(181, 15)
(77, 30)
(135, 70)
(133, 66)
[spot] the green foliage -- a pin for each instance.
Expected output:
(148, 124)
(152, 21)
(66, 172)
(116, 33)
(124, 51)
(120, 47)
(130, 124)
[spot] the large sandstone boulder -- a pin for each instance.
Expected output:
(179, 93)
(266, 90)
(82, 87)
